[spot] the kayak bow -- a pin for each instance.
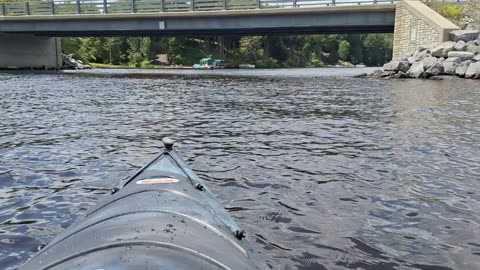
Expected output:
(163, 217)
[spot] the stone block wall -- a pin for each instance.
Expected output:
(416, 26)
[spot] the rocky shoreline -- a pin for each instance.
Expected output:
(70, 63)
(458, 57)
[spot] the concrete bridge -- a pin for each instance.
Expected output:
(28, 30)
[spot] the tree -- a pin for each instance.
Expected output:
(249, 48)
(344, 50)
(377, 49)
(138, 50)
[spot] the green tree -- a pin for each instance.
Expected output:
(344, 50)
(250, 48)
(138, 50)
(377, 49)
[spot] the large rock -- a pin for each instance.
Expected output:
(70, 63)
(476, 58)
(462, 68)
(450, 65)
(400, 75)
(387, 74)
(421, 54)
(396, 66)
(434, 70)
(472, 48)
(465, 35)
(443, 49)
(459, 46)
(429, 61)
(416, 70)
(473, 71)
(462, 55)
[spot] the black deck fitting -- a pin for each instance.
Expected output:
(168, 143)
(239, 234)
(200, 187)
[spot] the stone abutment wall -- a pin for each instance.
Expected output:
(418, 26)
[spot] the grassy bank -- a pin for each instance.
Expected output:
(112, 66)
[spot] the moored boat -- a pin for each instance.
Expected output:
(163, 217)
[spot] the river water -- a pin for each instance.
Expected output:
(323, 171)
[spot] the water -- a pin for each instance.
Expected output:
(322, 170)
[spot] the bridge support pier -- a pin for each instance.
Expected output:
(418, 26)
(29, 51)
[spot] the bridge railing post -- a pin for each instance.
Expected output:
(258, 4)
(27, 8)
(4, 9)
(134, 9)
(192, 5)
(333, 2)
(53, 7)
(162, 5)
(105, 7)
(224, 4)
(79, 9)
(294, 3)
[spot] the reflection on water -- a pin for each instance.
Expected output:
(323, 171)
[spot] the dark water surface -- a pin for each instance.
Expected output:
(323, 171)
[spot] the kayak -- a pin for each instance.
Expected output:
(163, 217)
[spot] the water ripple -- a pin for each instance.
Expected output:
(323, 171)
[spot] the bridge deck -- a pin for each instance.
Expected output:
(89, 7)
(325, 19)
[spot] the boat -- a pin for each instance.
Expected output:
(211, 63)
(246, 66)
(163, 217)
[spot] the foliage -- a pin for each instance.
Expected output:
(452, 11)
(139, 50)
(344, 50)
(263, 51)
(464, 14)
(377, 49)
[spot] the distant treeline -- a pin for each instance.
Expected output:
(263, 51)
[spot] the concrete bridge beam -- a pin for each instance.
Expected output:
(29, 51)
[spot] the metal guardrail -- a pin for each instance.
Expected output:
(79, 7)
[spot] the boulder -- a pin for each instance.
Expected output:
(459, 46)
(411, 60)
(443, 49)
(434, 70)
(416, 70)
(400, 75)
(396, 66)
(462, 68)
(476, 58)
(472, 48)
(473, 71)
(450, 65)
(387, 74)
(462, 55)
(429, 62)
(465, 35)
(420, 55)
(441, 60)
